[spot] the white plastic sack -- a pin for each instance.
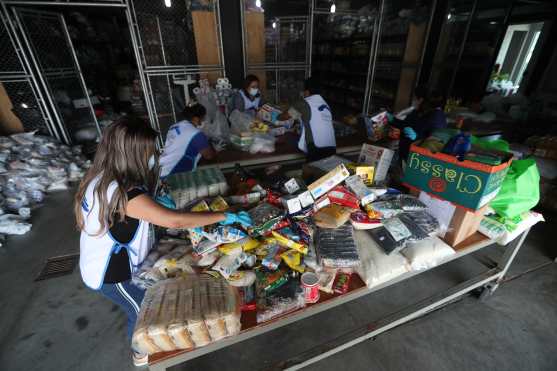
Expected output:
(208, 101)
(427, 253)
(240, 122)
(13, 224)
(501, 234)
(376, 267)
(217, 128)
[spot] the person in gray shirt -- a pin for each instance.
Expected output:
(248, 98)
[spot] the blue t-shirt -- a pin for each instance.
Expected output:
(182, 149)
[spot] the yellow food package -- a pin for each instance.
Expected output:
(201, 206)
(332, 216)
(371, 212)
(364, 171)
(218, 204)
(293, 259)
(283, 241)
(246, 244)
(230, 249)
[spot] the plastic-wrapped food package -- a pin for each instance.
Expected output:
(428, 223)
(224, 234)
(417, 232)
(505, 231)
(427, 253)
(376, 267)
(336, 248)
(332, 216)
(186, 313)
(14, 224)
(262, 143)
(264, 217)
(285, 299)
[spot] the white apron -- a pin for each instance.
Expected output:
(250, 104)
(321, 124)
(95, 251)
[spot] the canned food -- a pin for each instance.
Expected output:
(310, 284)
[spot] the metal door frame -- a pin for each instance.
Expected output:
(25, 74)
(42, 73)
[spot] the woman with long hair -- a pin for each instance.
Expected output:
(114, 208)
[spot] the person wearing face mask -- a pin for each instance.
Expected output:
(248, 99)
(185, 144)
(427, 116)
(114, 208)
(317, 138)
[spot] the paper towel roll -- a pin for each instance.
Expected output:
(196, 91)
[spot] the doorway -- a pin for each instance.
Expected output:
(514, 56)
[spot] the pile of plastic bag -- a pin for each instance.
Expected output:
(32, 166)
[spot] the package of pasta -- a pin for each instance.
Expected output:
(264, 218)
(284, 241)
(224, 234)
(185, 313)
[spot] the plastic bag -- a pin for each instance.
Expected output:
(262, 143)
(376, 267)
(240, 122)
(427, 253)
(336, 247)
(520, 190)
(14, 224)
(217, 128)
(208, 101)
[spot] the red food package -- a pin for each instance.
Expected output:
(342, 282)
(361, 220)
(341, 196)
(282, 224)
(273, 198)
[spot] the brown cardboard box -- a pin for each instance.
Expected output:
(463, 225)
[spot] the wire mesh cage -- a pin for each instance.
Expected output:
(9, 62)
(25, 105)
(166, 33)
(291, 83)
(162, 96)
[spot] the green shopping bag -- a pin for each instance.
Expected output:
(520, 190)
(497, 144)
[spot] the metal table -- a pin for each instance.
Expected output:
(488, 280)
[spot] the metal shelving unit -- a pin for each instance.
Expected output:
(284, 63)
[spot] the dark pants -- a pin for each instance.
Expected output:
(317, 153)
(128, 297)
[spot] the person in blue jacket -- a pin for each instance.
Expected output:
(426, 117)
(185, 144)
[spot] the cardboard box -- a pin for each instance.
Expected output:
(465, 183)
(463, 225)
(291, 203)
(305, 199)
(328, 181)
(458, 222)
(317, 169)
(380, 158)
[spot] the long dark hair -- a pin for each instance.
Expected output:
(123, 157)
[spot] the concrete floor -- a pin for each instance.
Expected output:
(58, 324)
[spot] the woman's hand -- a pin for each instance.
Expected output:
(145, 208)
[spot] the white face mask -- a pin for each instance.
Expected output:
(253, 91)
(151, 162)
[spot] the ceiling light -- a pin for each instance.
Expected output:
(274, 24)
(167, 3)
(24, 105)
(258, 3)
(333, 8)
(449, 16)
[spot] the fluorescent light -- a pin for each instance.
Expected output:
(333, 8)
(24, 105)
(167, 3)
(258, 3)
(449, 16)
(274, 24)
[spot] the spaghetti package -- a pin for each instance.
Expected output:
(336, 248)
